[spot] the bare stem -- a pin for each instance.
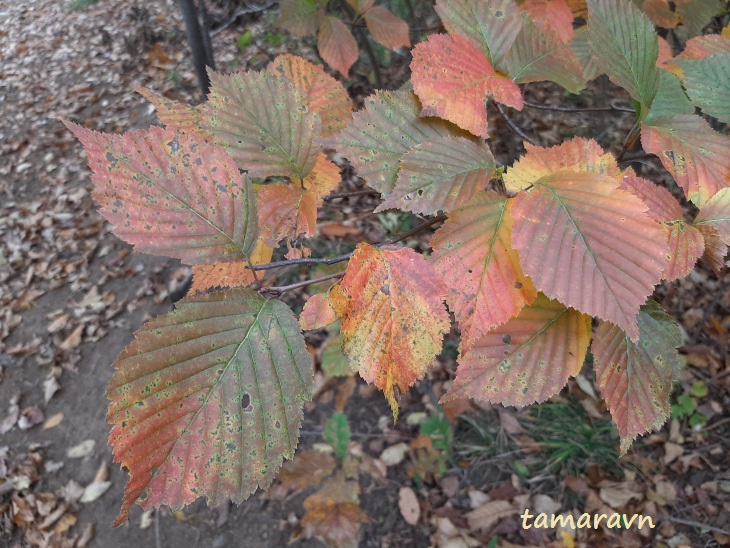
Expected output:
(336, 195)
(514, 127)
(277, 291)
(610, 108)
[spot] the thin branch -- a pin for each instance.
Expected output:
(346, 256)
(240, 13)
(337, 195)
(277, 291)
(610, 108)
(514, 127)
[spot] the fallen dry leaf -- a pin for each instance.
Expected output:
(83, 449)
(53, 421)
(489, 513)
(394, 454)
(408, 504)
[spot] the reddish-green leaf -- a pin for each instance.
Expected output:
(393, 316)
(317, 312)
(554, 15)
(526, 360)
(624, 44)
(491, 25)
(301, 17)
(388, 30)
(685, 241)
(474, 256)
(696, 14)
(361, 6)
(207, 401)
(585, 242)
(322, 93)
(636, 377)
(538, 54)
(440, 174)
(172, 194)
(264, 123)
(452, 78)
(704, 46)
(337, 45)
(714, 223)
(286, 211)
(177, 115)
(697, 156)
(707, 82)
(380, 134)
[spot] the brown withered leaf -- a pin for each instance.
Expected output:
(333, 513)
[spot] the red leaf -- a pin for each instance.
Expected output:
(387, 29)
(172, 194)
(393, 316)
(453, 78)
(685, 241)
(697, 156)
(582, 240)
(317, 312)
(207, 401)
(337, 45)
(528, 359)
(474, 256)
(636, 378)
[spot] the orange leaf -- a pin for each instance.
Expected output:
(317, 312)
(177, 115)
(286, 211)
(321, 92)
(393, 316)
(452, 77)
(229, 274)
(389, 30)
(685, 241)
(474, 256)
(337, 45)
(551, 14)
(526, 360)
(659, 13)
(334, 512)
(324, 178)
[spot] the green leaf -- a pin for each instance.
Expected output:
(699, 389)
(245, 39)
(670, 99)
(636, 378)
(579, 45)
(491, 25)
(707, 82)
(337, 433)
(437, 428)
(172, 194)
(537, 55)
(440, 174)
(207, 400)
(381, 133)
(334, 362)
(695, 15)
(625, 46)
(264, 123)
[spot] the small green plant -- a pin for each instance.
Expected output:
(83, 4)
(245, 39)
(685, 405)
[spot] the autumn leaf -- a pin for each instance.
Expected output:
(574, 226)
(262, 139)
(337, 45)
(473, 254)
(636, 378)
(175, 115)
(526, 360)
(554, 15)
(713, 221)
(333, 513)
(207, 401)
(320, 92)
(538, 54)
(361, 6)
(697, 156)
(236, 274)
(659, 13)
(317, 312)
(490, 25)
(685, 242)
(452, 78)
(387, 29)
(696, 14)
(381, 133)
(286, 211)
(579, 45)
(440, 174)
(172, 194)
(301, 17)
(305, 470)
(393, 316)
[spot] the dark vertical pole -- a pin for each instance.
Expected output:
(197, 46)
(205, 26)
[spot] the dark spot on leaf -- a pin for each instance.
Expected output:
(246, 403)
(277, 424)
(507, 339)
(518, 285)
(385, 289)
